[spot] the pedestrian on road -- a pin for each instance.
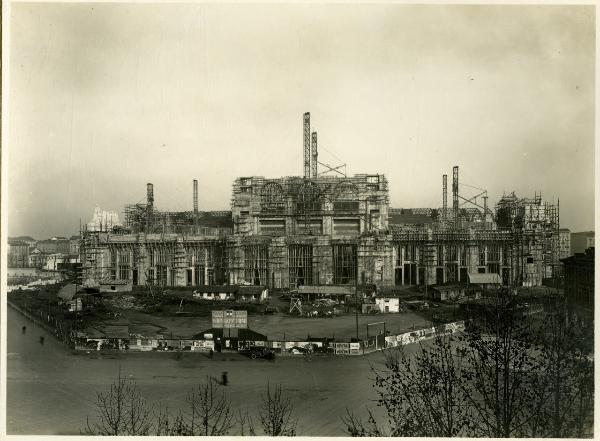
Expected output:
(24, 329)
(210, 353)
(224, 379)
(42, 340)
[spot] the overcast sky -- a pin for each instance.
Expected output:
(107, 97)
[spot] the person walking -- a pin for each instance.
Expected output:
(24, 329)
(224, 380)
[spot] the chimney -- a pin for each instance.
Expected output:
(195, 197)
(455, 193)
(444, 197)
(149, 205)
(485, 211)
(150, 196)
(314, 155)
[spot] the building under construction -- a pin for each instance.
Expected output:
(326, 228)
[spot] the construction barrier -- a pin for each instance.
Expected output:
(423, 334)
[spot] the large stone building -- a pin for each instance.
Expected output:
(18, 252)
(325, 230)
(54, 245)
(292, 231)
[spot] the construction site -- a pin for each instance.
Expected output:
(327, 229)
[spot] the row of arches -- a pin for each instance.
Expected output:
(308, 193)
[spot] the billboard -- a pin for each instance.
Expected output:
(229, 319)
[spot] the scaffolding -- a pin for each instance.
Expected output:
(534, 226)
(300, 264)
(345, 268)
(323, 229)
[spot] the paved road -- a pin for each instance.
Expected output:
(51, 391)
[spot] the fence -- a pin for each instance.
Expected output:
(423, 334)
(347, 348)
(141, 344)
(45, 320)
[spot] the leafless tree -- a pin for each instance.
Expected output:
(355, 426)
(121, 411)
(209, 411)
(421, 394)
(245, 423)
(565, 387)
(275, 413)
(502, 362)
(507, 375)
(168, 425)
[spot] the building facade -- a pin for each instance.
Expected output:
(564, 239)
(54, 245)
(37, 258)
(334, 231)
(18, 254)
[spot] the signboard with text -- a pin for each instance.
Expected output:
(230, 319)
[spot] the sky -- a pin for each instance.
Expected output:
(104, 98)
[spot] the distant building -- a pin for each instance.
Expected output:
(232, 292)
(564, 243)
(53, 261)
(579, 278)
(455, 292)
(30, 241)
(74, 245)
(103, 220)
(581, 241)
(215, 292)
(54, 245)
(37, 258)
(388, 304)
(449, 292)
(18, 253)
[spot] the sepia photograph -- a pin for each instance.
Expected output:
(317, 219)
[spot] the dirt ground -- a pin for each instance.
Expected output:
(280, 325)
(51, 391)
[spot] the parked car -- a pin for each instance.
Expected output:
(324, 350)
(298, 350)
(255, 352)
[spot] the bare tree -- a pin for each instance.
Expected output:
(503, 377)
(209, 411)
(246, 424)
(502, 363)
(121, 411)
(565, 384)
(421, 394)
(168, 425)
(275, 413)
(357, 427)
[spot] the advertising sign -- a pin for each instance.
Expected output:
(230, 319)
